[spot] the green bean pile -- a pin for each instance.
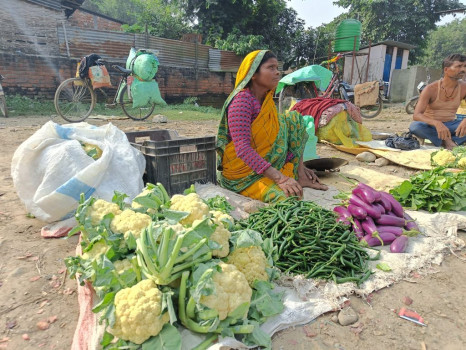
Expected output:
(310, 241)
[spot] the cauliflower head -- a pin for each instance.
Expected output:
(130, 221)
(231, 290)
(100, 208)
(138, 312)
(220, 218)
(192, 204)
(443, 157)
(462, 163)
(122, 265)
(251, 261)
(221, 235)
(98, 249)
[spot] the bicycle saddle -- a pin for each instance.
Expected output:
(122, 70)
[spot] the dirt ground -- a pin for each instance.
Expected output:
(34, 286)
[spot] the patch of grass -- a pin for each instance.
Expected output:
(25, 106)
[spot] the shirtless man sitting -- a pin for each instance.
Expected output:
(435, 113)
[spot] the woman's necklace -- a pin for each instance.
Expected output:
(448, 97)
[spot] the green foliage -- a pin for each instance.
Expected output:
(445, 40)
(401, 20)
(240, 44)
(435, 191)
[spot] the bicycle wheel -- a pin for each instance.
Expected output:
(3, 106)
(411, 105)
(138, 113)
(370, 112)
(300, 91)
(74, 100)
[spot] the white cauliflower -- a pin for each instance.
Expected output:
(192, 204)
(136, 205)
(443, 157)
(221, 236)
(130, 221)
(138, 312)
(220, 218)
(251, 261)
(100, 208)
(231, 290)
(122, 265)
(99, 248)
(462, 163)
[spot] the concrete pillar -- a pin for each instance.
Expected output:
(404, 61)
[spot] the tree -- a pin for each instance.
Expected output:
(407, 21)
(159, 17)
(445, 40)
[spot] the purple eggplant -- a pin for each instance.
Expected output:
(399, 245)
(380, 207)
(357, 228)
(396, 230)
(389, 220)
(371, 211)
(385, 203)
(371, 241)
(387, 237)
(368, 226)
(357, 212)
(397, 209)
(365, 193)
(342, 212)
(411, 223)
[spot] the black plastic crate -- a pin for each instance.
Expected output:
(179, 163)
(154, 135)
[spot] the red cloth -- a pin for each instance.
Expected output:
(315, 106)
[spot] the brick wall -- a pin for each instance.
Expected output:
(39, 77)
(86, 20)
(29, 28)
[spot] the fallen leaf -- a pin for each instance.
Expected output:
(42, 304)
(407, 300)
(25, 336)
(11, 324)
(35, 278)
(4, 339)
(28, 255)
(52, 319)
(43, 325)
(40, 311)
(62, 270)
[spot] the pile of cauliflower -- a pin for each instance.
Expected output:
(140, 307)
(456, 158)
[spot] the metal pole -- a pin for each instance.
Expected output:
(354, 56)
(368, 60)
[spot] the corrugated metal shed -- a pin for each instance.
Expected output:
(223, 61)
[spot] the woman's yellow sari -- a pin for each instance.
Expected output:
(272, 137)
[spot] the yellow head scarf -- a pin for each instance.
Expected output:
(245, 66)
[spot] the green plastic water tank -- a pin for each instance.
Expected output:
(344, 36)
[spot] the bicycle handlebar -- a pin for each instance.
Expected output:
(333, 59)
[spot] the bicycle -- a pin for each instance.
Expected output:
(411, 104)
(75, 98)
(3, 108)
(335, 89)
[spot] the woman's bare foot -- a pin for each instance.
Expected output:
(307, 178)
(315, 185)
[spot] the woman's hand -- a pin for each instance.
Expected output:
(290, 187)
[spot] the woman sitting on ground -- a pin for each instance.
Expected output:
(260, 152)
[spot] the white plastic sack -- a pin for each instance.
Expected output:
(51, 169)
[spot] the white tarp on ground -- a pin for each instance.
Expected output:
(305, 300)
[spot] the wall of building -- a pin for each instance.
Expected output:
(404, 81)
(38, 77)
(28, 28)
(87, 20)
(376, 64)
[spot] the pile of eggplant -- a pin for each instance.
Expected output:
(377, 218)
